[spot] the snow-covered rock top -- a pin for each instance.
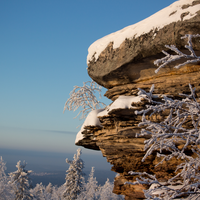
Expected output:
(93, 120)
(122, 102)
(170, 14)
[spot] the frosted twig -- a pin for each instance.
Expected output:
(84, 97)
(192, 58)
(164, 138)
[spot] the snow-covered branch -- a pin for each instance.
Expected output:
(192, 58)
(84, 97)
(177, 134)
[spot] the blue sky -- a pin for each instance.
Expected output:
(43, 53)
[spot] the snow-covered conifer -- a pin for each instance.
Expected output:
(84, 97)
(2, 170)
(74, 177)
(49, 188)
(91, 188)
(20, 182)
(40, 192)
(106, 192)
(57, 192)
(5, 189)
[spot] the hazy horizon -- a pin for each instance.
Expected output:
(54, 165)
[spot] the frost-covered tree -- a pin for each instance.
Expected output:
(105, 192)
(74, 177)
(49, 188)
(192, 58)
(20, 182)
(40, 192)
(85, 98)
(5, 189)
(91, 188)
(57, 192)
(3, 177)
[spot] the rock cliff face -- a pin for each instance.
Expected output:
(129, 66)
(116, 138)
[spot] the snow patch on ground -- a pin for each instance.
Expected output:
(157, 21)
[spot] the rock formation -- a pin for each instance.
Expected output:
(123, 69)
(129, 65)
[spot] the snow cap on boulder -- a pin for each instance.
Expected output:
(127, 55)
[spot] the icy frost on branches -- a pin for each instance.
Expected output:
(192, 58)
(84, 97)
(167, 136)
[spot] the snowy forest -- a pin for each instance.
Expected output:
(17, 185)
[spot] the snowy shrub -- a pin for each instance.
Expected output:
(84, 97)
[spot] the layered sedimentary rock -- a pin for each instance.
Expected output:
(123, 62)
(131, 61)
(116, 138)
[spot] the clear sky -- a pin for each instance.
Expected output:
(43, 53)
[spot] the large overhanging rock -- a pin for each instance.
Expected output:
(127, 56)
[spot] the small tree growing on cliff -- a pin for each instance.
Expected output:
(181, 126)
(84, 97)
